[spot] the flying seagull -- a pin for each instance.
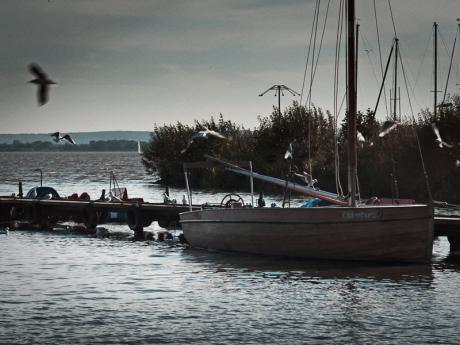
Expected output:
(207, 132)
(57, 137)
(43, 82)
(201, 135)
(307, 178)
(387, 127)
(288, 154)
(361, 139)
(441, 143)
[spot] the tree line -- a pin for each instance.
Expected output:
(388, 166)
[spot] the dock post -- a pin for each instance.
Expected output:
(139, 233)
(454, 243)
(135, 221)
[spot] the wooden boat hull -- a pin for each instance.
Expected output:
(383, 233)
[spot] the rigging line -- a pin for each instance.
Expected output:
(380, 55)
(382, 85)
(425, 173)
(308, 53)
(402, 54)
(309, 93)
(368, 54)
(315, 33)
(320, 45)
(339, 32)
(337, 58)
(392, 18)
(430, 37)
(450, 68)
(447, 51)
(396, 37)
(458, 55)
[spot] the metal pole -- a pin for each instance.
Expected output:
(383, 81)
(435, 43)
(279, 99)
(41, 176)
(352, 98)
(356, 53)
(395, 100)
(189, 193)
(252, 183)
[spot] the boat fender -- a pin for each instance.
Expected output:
(84, 196)
(102, 232)
(164, 235)
(182, 239)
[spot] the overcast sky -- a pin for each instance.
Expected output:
(128, 64)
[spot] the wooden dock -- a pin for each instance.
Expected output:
(45, 213)
(449, 227)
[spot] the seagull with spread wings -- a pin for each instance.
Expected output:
(57, 137)
(201, 135)
(441, 143)
(387, 127)
(43, 82)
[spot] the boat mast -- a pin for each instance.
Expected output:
(395, 95)
(435, 46)
(352, 100)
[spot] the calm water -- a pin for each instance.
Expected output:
(62, 288)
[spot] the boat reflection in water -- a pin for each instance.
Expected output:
(286, 269)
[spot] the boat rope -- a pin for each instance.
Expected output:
(315, 63)
(412, 88)
(428, 44)
(380, 55)
(382, 85)
(339, 189)
(450, 66)
(368, 51)
(308, 52)
(392, 18)
(313, 69)
(419, 146)
(309, 92)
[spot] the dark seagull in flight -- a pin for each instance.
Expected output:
(441, 143)
(43, 82)
(201, 135)
(57, 137)
(387, 127)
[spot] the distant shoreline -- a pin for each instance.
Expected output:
(93, 146)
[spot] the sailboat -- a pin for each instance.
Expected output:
(388, 233)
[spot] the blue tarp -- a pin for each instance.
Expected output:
(315, 202)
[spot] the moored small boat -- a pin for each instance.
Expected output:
(348, 231)
(371, 233)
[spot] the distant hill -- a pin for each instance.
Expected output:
(80, 137)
